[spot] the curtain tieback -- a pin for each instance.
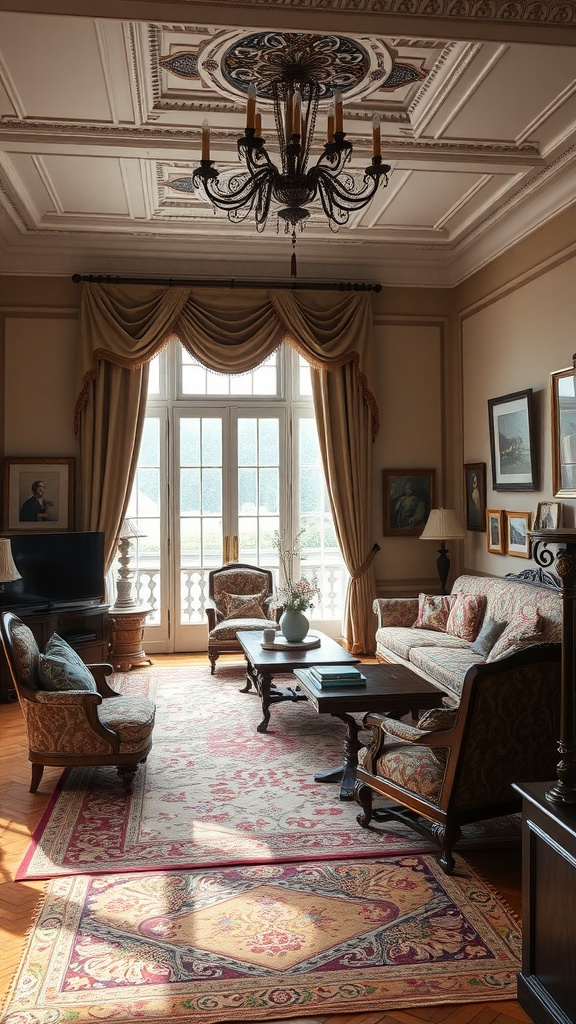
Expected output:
(357, 573)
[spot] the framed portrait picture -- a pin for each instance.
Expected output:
(475, 492)
(408, 498)
(563, 406)
(494, 531)
(517, 539)
(512, 444)
(548, 516)
(38, 494)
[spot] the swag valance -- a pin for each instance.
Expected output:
(122, 327)
(225, 330)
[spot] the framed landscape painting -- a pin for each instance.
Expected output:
(563, 405)
(408, 498)
(475, 483)
(512, 447)
(517, 539)
(38, 494)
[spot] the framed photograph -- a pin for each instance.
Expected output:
(517, 539)
(548, 516)
(38, 494)
(475, 484)
(512, 445)
(408, 498)
(563, 406)
(494, 531)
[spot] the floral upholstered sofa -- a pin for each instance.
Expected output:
(481, 621)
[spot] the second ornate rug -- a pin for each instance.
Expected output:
(265, 942)
(216, 792)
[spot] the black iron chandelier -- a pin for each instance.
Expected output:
(294, 186)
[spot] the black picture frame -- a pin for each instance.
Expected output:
(475, 495)
(512, 441)
(408, 498)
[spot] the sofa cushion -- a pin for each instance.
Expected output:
(60, 668)
(401, 640)
(487, 637)
(505, 599)
(444, 665)
(227, 630)
(524, 630)
(466, 615)
(411, 767)
(433, 611)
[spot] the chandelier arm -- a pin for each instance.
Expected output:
(241, 189)
(343, 196)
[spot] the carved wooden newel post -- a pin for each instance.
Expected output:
(564, 790)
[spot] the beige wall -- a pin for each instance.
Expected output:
(510, 342)
(440, 356)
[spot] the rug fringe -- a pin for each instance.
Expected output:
(35, 917)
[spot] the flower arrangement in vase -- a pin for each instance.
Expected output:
(295, 595)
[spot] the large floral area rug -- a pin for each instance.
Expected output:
(264, 941)
(216, 792)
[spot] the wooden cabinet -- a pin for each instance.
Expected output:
(85, 629)
(546, 985)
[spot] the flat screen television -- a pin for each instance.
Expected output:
(59, 570)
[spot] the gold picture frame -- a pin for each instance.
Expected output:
(563, 432)
(517, 534)
(495, 531)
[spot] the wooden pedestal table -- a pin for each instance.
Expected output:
(127, 637)
(390, 689)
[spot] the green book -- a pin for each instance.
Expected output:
(324, 673)
(333, 684)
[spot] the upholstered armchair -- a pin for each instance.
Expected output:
(240, 596)
(94, 725)
(458, 765)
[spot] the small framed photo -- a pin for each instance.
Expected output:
(38, 495)
(517, 539)
(548, 516)
(408, 498)
(494, 531)
(475, 481)
(512, 442)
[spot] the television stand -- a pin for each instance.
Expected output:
(84, 627)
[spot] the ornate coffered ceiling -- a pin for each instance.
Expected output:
(100, 120)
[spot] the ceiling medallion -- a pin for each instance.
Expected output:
(295, 72)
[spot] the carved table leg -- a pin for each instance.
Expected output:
(346, 775)
(249, 671)
(263, 684)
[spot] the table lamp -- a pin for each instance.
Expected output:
(128, 532)
(8, 571)
(442, 524)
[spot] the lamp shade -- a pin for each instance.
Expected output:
(8, 570)
(130, 529)
(442, 524)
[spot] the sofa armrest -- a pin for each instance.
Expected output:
(383, 726)
(396, 611)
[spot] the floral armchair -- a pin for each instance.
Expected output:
(86, 723)
(240, 596)
(458, 764)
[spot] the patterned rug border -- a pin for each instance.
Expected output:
(62, 941)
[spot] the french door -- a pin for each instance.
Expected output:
(218, 474)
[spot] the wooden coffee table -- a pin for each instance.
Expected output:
(390, 688)
(262, 666)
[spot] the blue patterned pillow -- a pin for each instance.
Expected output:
(60, 668)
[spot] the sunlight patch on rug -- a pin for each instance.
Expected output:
(216, 792)
(262, 942)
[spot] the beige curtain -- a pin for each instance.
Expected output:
(123, 327)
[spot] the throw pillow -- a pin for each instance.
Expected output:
(487, 637)
(520, 632)
(60, 668)
(433, 612)
(466, 615)
(244, 606)
(437, 720)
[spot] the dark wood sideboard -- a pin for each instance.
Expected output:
(547, 981)
(85, 628)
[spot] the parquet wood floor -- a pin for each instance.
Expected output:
(21, 810)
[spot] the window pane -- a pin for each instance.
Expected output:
(189, 492)
(197, 380)
(268, 453)
(247, 493)
(211, 442)
(190, 442)
(247, 442)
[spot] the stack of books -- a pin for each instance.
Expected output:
(326, 676)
